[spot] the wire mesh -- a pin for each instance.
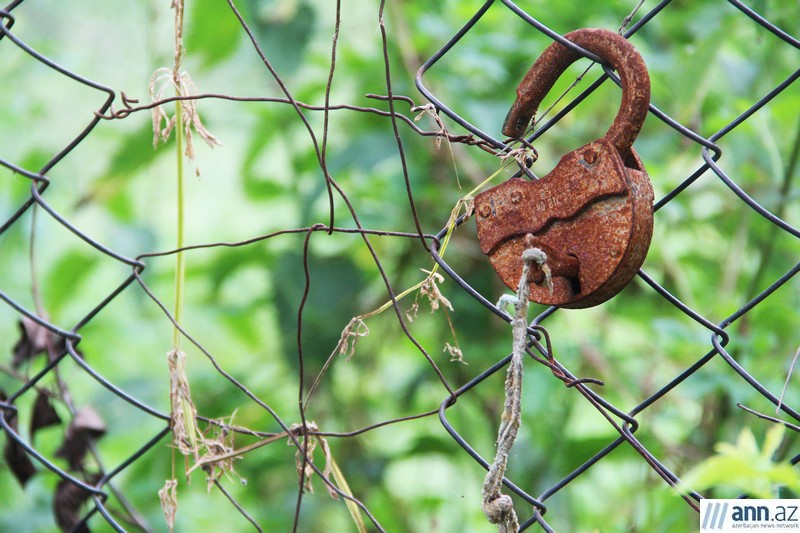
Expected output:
(86, 493)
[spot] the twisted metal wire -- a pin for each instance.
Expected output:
(625, 422)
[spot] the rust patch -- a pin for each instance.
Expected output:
(592, 214)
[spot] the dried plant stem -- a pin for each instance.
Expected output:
(465, 203)
(185, 408)
(352, 507)
(184, 427)
(180, 264)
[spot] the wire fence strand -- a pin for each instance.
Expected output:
(88, 495)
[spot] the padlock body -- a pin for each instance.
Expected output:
(590, 207)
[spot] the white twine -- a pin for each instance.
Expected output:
(498, 507)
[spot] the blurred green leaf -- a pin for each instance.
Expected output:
(213, 31)
(746, 468)
(284, 29)
(263, 177)
(66, 276)
(133, 154)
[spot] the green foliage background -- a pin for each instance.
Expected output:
(708, 64)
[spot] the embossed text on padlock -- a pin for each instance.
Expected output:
(592, 214)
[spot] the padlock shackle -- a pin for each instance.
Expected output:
(612, 48)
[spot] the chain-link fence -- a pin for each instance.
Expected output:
(708, 346)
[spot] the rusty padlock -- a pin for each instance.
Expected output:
(593, 213)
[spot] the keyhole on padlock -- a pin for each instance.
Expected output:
(575, 280)
(570, 273)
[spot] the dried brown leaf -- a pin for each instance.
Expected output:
(168, 495)
(430, 289)
(328, 471)
(355, 329)
(86, 427)
(455, 353)
(185, 435)
(44, 414)
(303, 461)
(162, 81)
(411, 312)
(34, 340)
(304, 466)
(218, 456)
(87, 419)
(67, 504)
(15, 455)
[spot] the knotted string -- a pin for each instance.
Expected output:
(498, 507)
